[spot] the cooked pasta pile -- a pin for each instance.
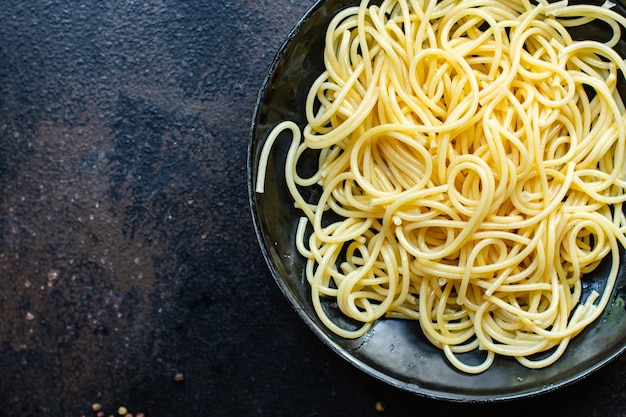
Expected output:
(471, 167)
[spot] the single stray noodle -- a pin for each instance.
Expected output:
(472, 169)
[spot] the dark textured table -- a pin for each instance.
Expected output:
(127, 252)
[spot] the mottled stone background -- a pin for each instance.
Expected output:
(127, 252)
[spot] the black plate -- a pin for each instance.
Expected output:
(394, 351)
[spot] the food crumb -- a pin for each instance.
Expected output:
(380, 406)
(179, 377)
(122, 411)
(96, 406)
(30, 316)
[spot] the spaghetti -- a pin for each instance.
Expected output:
(471, 166)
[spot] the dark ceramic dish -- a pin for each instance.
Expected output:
(394, 351)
